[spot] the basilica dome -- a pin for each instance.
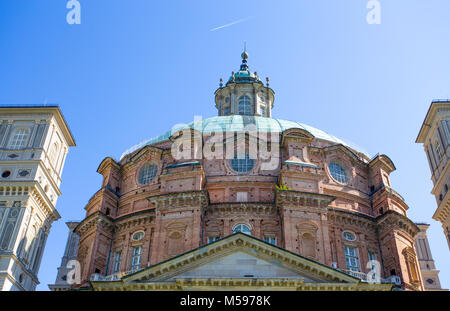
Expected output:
(237, 123)
(298, 192)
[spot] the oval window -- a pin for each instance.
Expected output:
(147, 173)
(138, 236)
(338, 173)
(349, 236)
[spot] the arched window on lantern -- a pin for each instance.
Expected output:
(244, 106)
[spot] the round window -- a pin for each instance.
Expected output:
(242, 165)
(338, 173)
(6, 174)
(147, 173)
(349, 236)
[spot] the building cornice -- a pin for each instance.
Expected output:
(443, 211)
(426, 125)
(53, 110)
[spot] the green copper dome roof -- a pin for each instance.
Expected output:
(236, 123)
(244, 75)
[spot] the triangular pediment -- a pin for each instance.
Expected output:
(240, 256)
(241, 264)
(238, 262)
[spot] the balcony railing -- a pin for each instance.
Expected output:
(112, 277)
(363, 276)
(360, 275)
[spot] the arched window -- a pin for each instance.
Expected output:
(53, 153)
(439, 150)
(147, 173)
(242, 165)
(242, 228)
(338, 173)
(245, 108)
(19, 138)
(7, 235)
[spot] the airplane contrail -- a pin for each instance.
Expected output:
(230, 24)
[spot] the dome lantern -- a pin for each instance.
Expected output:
(244, 93)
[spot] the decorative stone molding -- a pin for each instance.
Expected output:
(180, 199)
(285, 198)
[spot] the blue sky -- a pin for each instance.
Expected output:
(133, 69)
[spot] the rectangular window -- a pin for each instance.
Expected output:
(226, 111)
(212, 239)
(19, 139)
(372, 259)
(439, 151)
(351, 258)
(136, 258)
(117, 260)
(263, 111)
(241, 197)
(270, 239)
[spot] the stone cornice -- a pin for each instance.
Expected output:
(54, 111)
(139, 154)
(179, 199)
(182, 174)
(426, 125)
(108, 161)
(92, 220)
(297, 134)
(306, 174)
(352, 154)
(383, 160)
(339, 216)
(237, 284)
(443, 211)
(399, 221)
(302, 199)
(259, 208)
(442, 177)
(134, 219)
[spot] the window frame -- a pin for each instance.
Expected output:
(341, 176)
(117, 261)
(351, 233)
(243, 165)
(136, 258)
(16, 135)
(235, 230)
(147, 173)
(212, 239)
(349, 257)
(271, 239)
(136, 233)
(245, 106)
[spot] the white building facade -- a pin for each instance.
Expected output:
(34, 143)
(435, 137)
